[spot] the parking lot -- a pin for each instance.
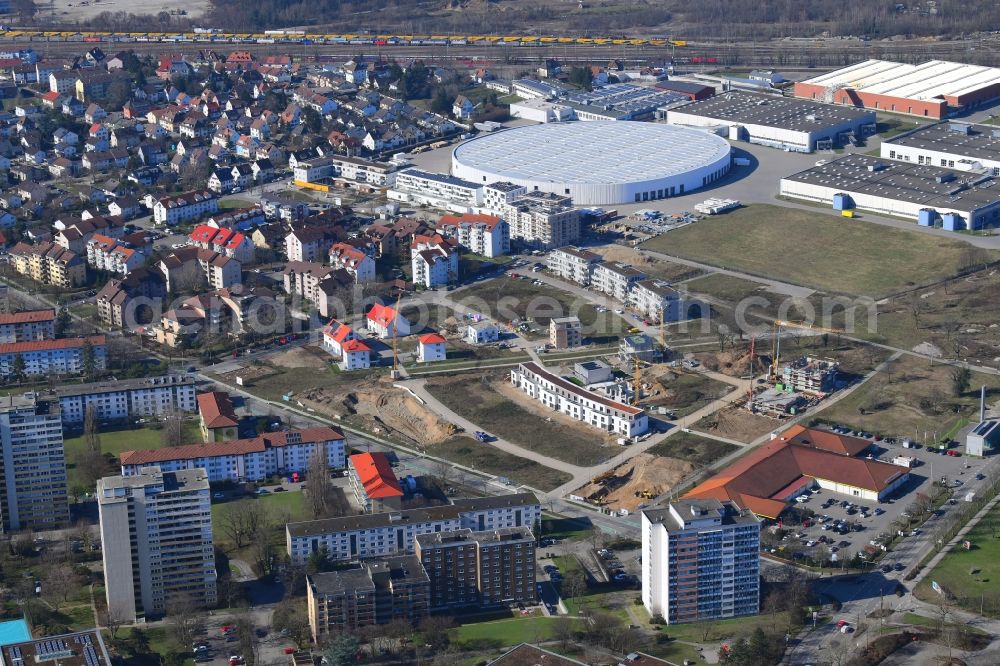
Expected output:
(846, 525)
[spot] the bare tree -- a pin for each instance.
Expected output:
(574, 584)
(249, 646)
(242, 522)
(320, 493)
(91, 463)
(174, 428)
(945, 615)
(113, 621)
(60, 583)
(184, 620)
(265, 556)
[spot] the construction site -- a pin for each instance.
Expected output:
(634, 484)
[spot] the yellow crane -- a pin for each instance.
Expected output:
(776, 343)
(638, 378)
(395, 336)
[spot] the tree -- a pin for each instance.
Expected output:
(174, 431)
(62, 322)
(91, 463)
(961, 378)
(17, 368)
(563, 630)
(320, 493)
(113, 621)
(242, 522)
(312, 120)
(249, 646)
(60, 583)
(184, 620)
(265, 556)
(342, 651)
(288, 617)
(574, 584)
(582, 77)
(435, 630)
(88, 363)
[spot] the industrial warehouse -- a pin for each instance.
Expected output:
(779, 122)
(933, 89)
(768, 479)
(931, 195)
(955, 145)
(597, 163)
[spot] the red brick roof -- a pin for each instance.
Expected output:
(216, 410)
(355, 346)
(376, 475)
(27, 317)
(382, 315)
(49, 345)
(337, 331)
(431, 339)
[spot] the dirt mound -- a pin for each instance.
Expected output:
(636, 481)
(382, 407)
(736, 423)
(301, 357)
(733, 363)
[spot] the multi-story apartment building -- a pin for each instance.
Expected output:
(191, 267)
(382, 534)
(499, 194)
(318, 284)
(436, 190)
(49, 263)
(245, 459)
(112, 255)
(573, 264)
(156, 540)
(564, 396)
(308, 243)
(375, 485)
(27, 326)
(700, 561)
(359, 265)
(125, 399)
(33, 492)
(656, 300)
(542, 220)
(487, 235)
(313, 171)
(376, 592)
(615, 279)
(226, 242)
(565, 332)
(433, 261)
(473, 568)
(184, 207)
(378, 174)
(65, 356)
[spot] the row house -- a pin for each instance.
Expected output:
(65, 356)
(49, 263)
(486, 235)
(185, 207)
(359, 265)
(102, 160)
(240, 219)
(224, 241)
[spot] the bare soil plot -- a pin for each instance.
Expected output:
(633, 483)
(488, 400)
(698, 450)
(736, 423)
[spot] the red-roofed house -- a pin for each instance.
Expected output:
(375, 485)
(352, 260)
(27, 326)
(226, 242)
(386, 322)
(802, 458)
(219, 422)
(431, 348)
(335, 334)
(356, 356)
(245, 459)
(487, 235)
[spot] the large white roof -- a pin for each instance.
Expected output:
(599, 152)
(929, 80)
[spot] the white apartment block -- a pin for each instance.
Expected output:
(27, 326)
(573, 264)
(436, 190)
(156, 541)
(700, 561)
(241, 460)
(655, 299)
(64, 356)
(542, 220)
(564, 396)
(184, 207)
(379, 174)
(433, 263)
(395, 533)
(615, 279)
(128, 399)
(113, 256)
(314, 170)
(499, 194)
(33, 489)
(487, 235)
(354, 261)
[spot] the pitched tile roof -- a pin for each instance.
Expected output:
(376, 475)
(216, 410)
(431, 339)
(27, 317)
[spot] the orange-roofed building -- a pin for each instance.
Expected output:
(219, 422)
(335, 334)
(799, 460)
(432, 348)
(356, 356)
(385, 322)
(375, 484)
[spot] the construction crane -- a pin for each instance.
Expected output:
(638, 375)
(663, 335)
(776, 345)
(753, 355)
(395, 338)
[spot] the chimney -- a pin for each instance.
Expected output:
(982, 403)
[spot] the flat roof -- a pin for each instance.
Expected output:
(930, 80)
(903, 181)
(82, 648)
(570, 387)
(789, 113)
(598, 152)
(439, 178)
(14, 631)
(976, 142)
(123, 385)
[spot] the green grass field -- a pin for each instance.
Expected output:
(814, 249)
(282, 508)
(475, 399)
(694, 448)
(483, 457)
(970, 576)
(506, 633)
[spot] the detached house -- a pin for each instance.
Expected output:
(385, 322)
